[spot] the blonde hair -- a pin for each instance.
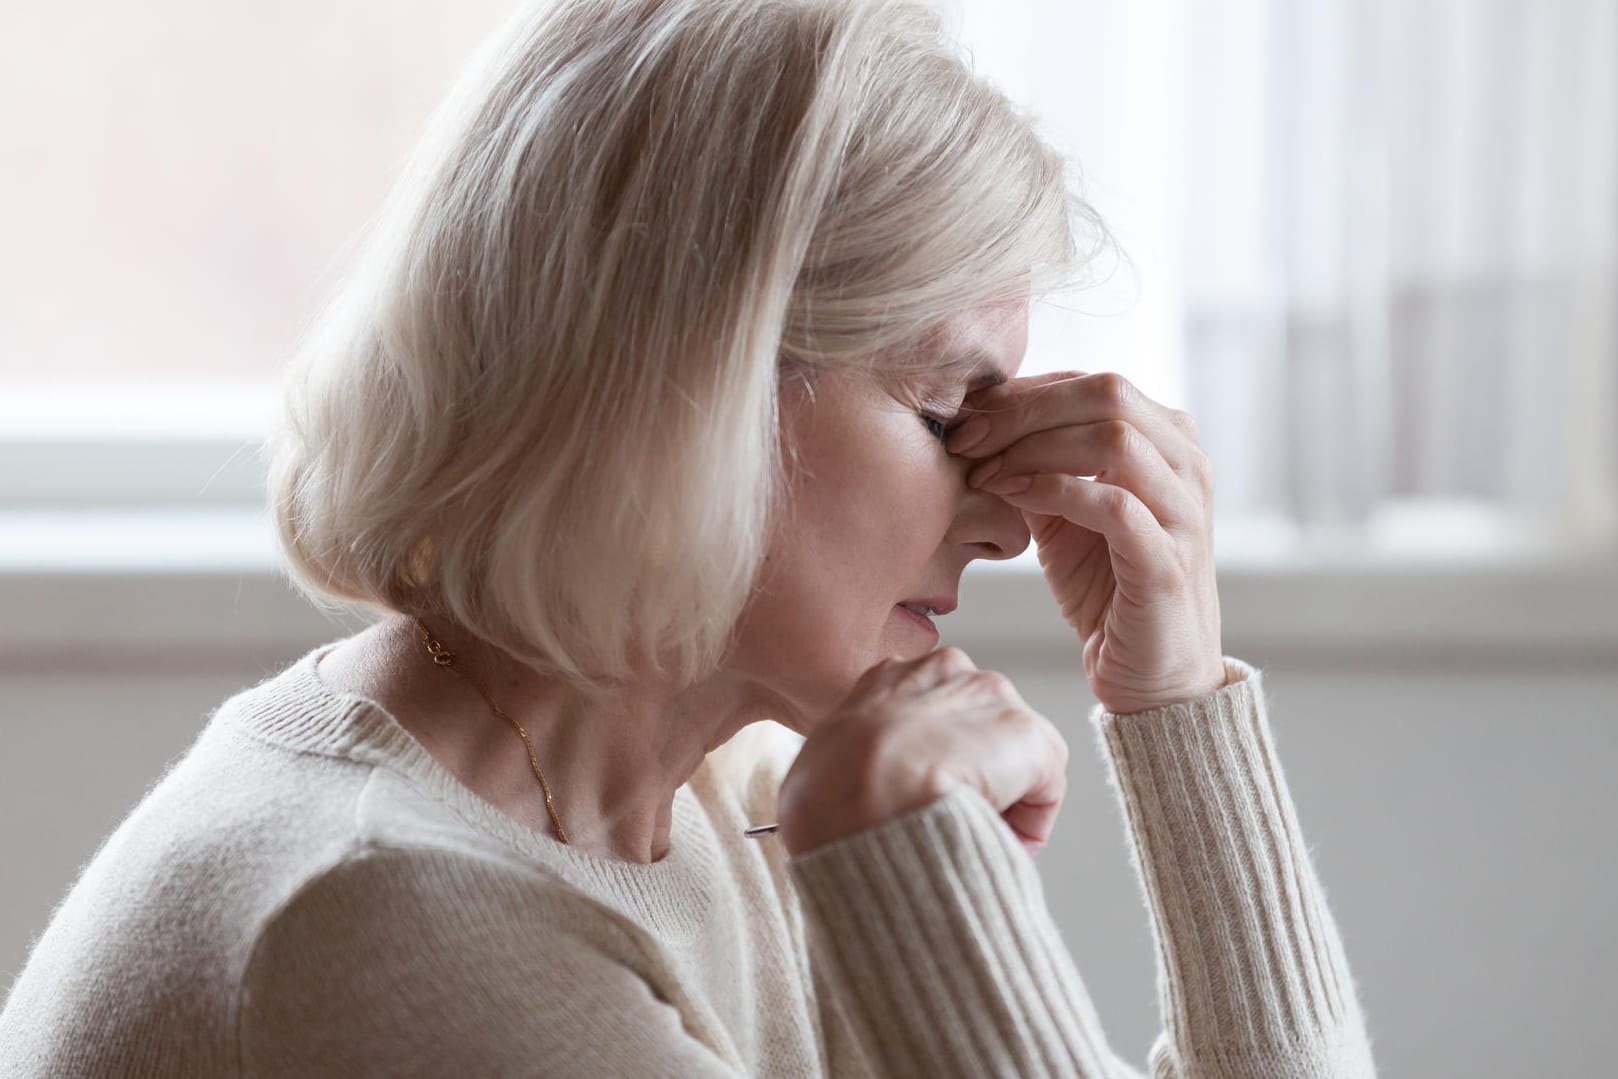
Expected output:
(546, 401)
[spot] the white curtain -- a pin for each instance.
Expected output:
(1376, 248)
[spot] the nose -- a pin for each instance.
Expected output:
(992, 527)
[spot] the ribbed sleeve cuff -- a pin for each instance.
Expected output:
(1252, 973)
(932, 930)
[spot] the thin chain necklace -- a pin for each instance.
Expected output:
(445, 658)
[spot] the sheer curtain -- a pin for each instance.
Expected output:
(1375, 252)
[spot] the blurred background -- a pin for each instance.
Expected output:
(1372, 246)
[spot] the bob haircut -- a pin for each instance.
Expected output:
(545, 402)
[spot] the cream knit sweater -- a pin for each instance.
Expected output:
(308, 892)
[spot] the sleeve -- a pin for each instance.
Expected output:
(934, 930)
(381, 967)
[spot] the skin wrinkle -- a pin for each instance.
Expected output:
(878, 513)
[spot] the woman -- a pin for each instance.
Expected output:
(676, 382)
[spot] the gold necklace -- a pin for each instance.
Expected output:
(445, 658)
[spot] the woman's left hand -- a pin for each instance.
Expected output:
(1128, 555)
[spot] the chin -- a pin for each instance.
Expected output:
(810, 691)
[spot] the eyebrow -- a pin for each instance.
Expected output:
(990, 376)
(970, 358)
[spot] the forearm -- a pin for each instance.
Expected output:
(1252, 969)
(933, 930)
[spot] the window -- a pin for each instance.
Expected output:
(186, 175)
(1376, 263)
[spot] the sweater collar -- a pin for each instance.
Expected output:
(295, 709)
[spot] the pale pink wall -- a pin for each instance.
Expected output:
(176, 175)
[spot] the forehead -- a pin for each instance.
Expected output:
(983, 346)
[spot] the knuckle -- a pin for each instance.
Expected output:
(1030, 721)
(1204, 468)
(1118, 503)
(1059, 744)
(1118, 436)
(1115, 388)
(1186, 422)
(995, 682)
(1003, 693)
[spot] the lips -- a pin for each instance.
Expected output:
(933, 604)
(917, 619)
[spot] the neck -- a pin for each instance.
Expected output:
(613, 771)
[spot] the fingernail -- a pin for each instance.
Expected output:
(1009, 485)
(968, 434)
(985, 471)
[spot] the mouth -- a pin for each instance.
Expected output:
(917, 614)
(930, 605)
(919, 610)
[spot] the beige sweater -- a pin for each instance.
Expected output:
(307, 892)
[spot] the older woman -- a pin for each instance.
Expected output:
(672, 392)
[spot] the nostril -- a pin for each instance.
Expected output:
(1018, 537)
(1012, 550)
(991, 525)
(1008, 548)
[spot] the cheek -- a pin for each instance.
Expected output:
(923, 492)
(890, 531)
(869, 510)
(861, 537)
(890, 512)
(859, 534)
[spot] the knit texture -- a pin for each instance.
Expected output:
(308, 892)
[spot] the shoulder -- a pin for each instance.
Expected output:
(436, 914)
(379, 897)
(390, 958)
(419, 888)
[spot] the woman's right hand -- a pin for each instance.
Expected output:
(909, 732)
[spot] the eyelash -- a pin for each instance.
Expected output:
(942, 431)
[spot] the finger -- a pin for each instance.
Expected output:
(1136, 540)
(1020, 407)
(983, 402)
(1112, 451)
(950, 660)
(986, 693)
(942, 665)
(1045, 378)
(1032, 814)
(1033, 824)
(882, 672)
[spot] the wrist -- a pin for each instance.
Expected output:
(812, 817)
(1195, 692)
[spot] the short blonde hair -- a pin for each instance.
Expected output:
(546, 401)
